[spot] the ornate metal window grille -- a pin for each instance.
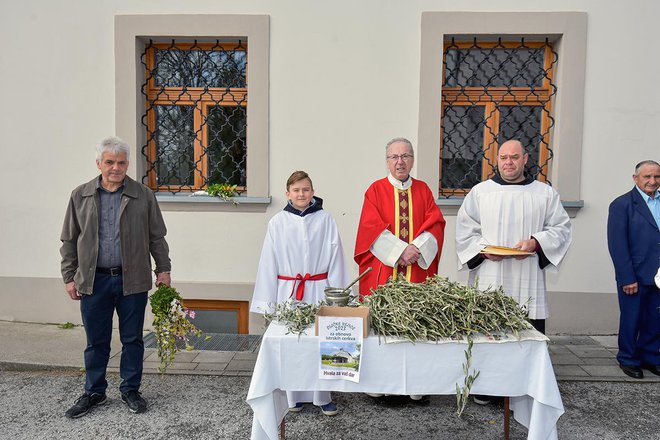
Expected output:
(492, 92)
(195, 117)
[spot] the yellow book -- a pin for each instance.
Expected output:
(504, 251)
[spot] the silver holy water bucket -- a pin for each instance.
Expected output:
(337, 296)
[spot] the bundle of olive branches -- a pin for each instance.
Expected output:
(295, 315)
(439, 308)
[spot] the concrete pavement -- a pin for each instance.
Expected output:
(28, 346)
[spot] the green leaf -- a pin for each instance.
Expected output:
(223, 191)
(161, 300)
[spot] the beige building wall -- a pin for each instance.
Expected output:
(343, 78)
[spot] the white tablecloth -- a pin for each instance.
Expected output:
(520, 369)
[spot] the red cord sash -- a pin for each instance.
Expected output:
(300, 279)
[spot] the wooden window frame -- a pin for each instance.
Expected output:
(492, 97)
(198, 97)
(240, 307)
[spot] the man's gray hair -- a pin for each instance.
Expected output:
(112, 145)
(644, 162)
(399, 139)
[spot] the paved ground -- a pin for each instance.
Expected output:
(38, 346)
(203, 397)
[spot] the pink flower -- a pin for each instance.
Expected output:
(191, 313)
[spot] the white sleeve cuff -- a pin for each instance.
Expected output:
(388, 248)
(428, 247)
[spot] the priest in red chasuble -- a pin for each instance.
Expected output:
(401, 228)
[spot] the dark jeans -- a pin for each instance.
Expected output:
(97, 310)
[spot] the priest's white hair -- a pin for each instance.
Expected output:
(400, 139)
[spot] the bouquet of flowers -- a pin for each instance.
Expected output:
(224, 191)
(171, 324)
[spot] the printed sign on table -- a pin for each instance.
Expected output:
(340, 347)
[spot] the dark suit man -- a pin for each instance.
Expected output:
(633, 238)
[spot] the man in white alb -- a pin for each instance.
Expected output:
(512, 209)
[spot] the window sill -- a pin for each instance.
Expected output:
(450, 206)
(188, 202)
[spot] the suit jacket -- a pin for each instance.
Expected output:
(633, 239)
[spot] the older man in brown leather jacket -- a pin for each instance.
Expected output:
(112, 227)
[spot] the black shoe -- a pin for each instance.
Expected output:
(394, 401)
(84, 404)
(633, 371)
(136, 404)
(655, 369)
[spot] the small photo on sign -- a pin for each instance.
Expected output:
(340, 348)
(344, 356)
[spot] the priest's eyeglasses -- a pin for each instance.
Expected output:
(403, 157)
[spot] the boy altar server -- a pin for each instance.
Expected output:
(301, 256)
